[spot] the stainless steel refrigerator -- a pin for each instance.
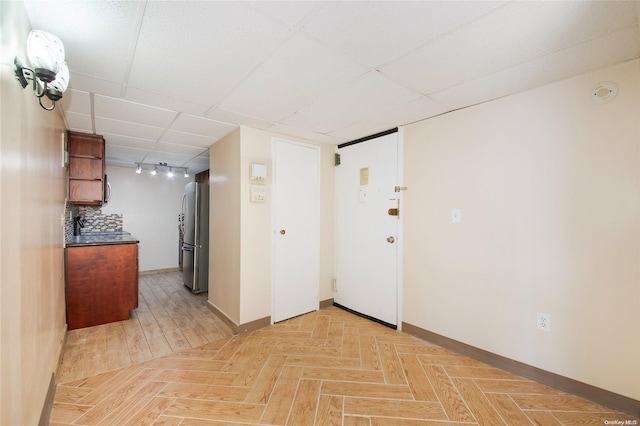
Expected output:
(195, 248)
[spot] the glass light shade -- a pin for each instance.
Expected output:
(62, 79)
(45, 51)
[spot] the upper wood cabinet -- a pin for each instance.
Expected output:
(86, 168)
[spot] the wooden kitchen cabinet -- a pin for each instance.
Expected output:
(101, 283)
(86, 168)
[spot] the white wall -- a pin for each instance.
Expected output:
(150, 206)
(32, 192)
(549, 187)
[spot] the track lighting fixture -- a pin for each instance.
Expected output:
(155, 167)
(50, 74)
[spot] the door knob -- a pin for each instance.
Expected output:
(282, 232)
(391, 240)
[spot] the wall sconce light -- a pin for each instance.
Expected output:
(154, 168)
(50, 74)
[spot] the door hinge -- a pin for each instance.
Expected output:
(400, 188)
(337, 159)
(335, 285)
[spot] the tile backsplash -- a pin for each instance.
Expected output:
(94, 220)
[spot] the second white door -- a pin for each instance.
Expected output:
(296, 175)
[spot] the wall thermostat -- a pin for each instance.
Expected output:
(258, 171)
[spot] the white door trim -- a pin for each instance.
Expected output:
(399, 274)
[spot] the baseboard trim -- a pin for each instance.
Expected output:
(565, 384)
(254, 325)
(158, 271)
(326, 303)
(45, 415)
(239, 328)
(63, 343)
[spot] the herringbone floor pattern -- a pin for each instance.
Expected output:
(323, 368)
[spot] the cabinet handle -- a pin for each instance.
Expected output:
(107, 197)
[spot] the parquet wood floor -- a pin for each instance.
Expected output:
(169, 319)
(323, 368)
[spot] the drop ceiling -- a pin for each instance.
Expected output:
(164, 80)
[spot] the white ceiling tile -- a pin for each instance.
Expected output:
(162, 101)
(190, 139)
(124, 154)
(416, 110)
(300, 72)
(94, 85)
(202, 126)
(367, 96)
(374, 33)
(76, 101)
(559, 65)
(199, 51)
(171, 158)
(290, 13)
(237, 119)
(78, 122)
(119, 109)
(125, 128)
(106, 27)
(302, 133)
(178, 149)
(512, 34)
(128, 141)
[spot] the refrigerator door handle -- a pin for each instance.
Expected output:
(184, 197)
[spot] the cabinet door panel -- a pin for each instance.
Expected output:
(85, 191)
(85, 168)
(82, 145)
(102, 284)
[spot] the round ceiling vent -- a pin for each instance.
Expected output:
(604, 92)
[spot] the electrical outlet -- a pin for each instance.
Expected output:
(544, 322)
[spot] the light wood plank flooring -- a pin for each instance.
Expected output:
(324, 368)
(169, 319)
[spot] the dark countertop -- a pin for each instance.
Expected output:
(101, 239)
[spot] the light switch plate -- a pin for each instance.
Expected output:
(362, 194)
(456, 215)
(258, 193)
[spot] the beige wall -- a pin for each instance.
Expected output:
(32, 192)
(548, 184)
(250, 240)
(224, 226)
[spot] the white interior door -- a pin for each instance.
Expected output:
(367, 246)
(296, 175)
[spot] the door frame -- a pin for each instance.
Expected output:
(399, 250)
(274, 236)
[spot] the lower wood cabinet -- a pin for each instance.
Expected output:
(101, 284)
